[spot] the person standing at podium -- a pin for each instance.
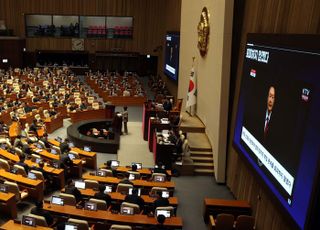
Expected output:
(125, 117)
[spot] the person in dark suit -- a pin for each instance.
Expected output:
(40, 169)
(160, 201)
(21, 163)
(160, 226)
(135, 199)
(64, 146)
(71, 189)
(38, 210)
(102, 196)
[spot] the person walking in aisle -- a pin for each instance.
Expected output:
(125, 117)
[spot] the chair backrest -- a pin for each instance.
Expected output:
(82, 224)
(34, 157)
(224, 221)
(156, 176)
(42, 144)
(124, 188)
(95, 105)
(40, 220)
(68, 199)
(120, 227)
(20, 170)
(154, 190)
(46, 113)
(37, 117)
(56, 148)
(4, 165)
(38, 174)
(244, 222)
(135, 207)
(93, 184)
(13, 188)
(76, 94)
(101, 204)
(90, 100)
(108, 172)
(77, 100)
(18, 151)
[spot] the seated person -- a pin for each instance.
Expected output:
(134, 167)
(108, 166)
(160, 201)
(64, 146)
(160, 226)
(71, 189)
(21, 163)
(102, 196)
(40, 169)
(160, 169)
(135, 199)
(83, 106)
(38, 210)
(125, 180)
(167, 105)
(44, 139)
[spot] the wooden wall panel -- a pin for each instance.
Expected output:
(265, 16)
(149, 21)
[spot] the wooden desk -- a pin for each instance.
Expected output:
(8, 204)
(58, 174)
(155, 124)
(120, 197)
(53, 123)
(143, 171)
(163, 152)
(12, 225)
(89, 114)
(89, 157)
(107, 216)
(77, 167)
(216, 206)
(139, 183)
(34, 187)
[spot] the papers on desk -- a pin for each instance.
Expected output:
(38, 150)
(165, 121)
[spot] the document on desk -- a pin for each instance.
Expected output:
(38, 150)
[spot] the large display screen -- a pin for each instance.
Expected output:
(171, 62)
(278, 120)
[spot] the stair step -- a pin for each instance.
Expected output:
(199, 142)
(204, 172)
(201, 154)
(197, 159)
(191, 123)
(203, 164)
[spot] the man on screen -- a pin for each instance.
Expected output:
(270, 105)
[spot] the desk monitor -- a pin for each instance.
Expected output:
(132, 176)
(3, 188)
(38, 160)
(70, 144)
(29, 221)
(70, 226)
(32, 176)
(80, 184)
(38, 146)
(90, 206)
(115, 163)
(108, 189)
(59, 139)
(57, 200)
(101, 173)
(87, 148)
(71, 156)
(139, 165)
(55, 164)
(131, 190)
(165, 194)
(53, 151)
(166, 213)
(159, 178)
(126, 211)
